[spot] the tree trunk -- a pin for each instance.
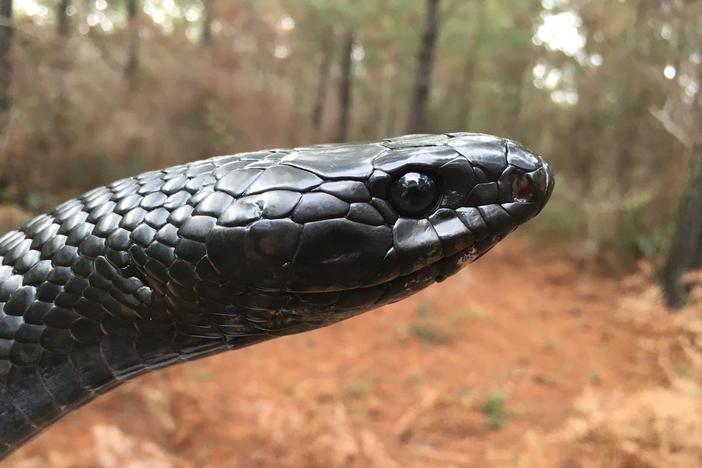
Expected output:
(386, 84)
(206, 36)
(322, 83)
(687, 240)
(372, 113)
(60, 118)
(634, 104)
(6, 33)
(342, 132)
(465, 104)
(470, 68)
(392, 123)
(296, 126)
(63, 24)
(417, 118)
(132, 65)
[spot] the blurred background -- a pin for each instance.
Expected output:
(577, 343)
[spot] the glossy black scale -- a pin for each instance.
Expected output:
(180, 263)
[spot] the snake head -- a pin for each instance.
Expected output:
(349, 227)
(455, 201)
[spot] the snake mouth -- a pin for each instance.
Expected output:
(403, 286)
(399, 287)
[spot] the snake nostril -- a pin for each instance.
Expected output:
(523, 187)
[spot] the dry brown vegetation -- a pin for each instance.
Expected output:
(658, 424)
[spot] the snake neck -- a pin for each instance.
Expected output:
(83, 308)
(105, 288)
(73, 328)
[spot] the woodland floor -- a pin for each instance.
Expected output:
(486, 369)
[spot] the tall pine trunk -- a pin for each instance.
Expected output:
(470, 68)
(465, 105)
(345, 84)
(687, 242)
(132, 64)
(6, 36)
(391, 123)
(322, 83)
(206, 34)
(60, 117)
(417, 118)
(686, 250)
(63, 23)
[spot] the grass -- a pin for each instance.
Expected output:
(430, 334)
(472, 313)
(682, 369)
(416, 379)
(426, 329)
(424, 309)
(430, 326)
(551, 344)
(494, 409)
(359, 389)
(594, 377)
(200, 374)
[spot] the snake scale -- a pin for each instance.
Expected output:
(180, 263)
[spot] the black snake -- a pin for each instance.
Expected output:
(218, 254)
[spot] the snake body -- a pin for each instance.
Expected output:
(218, 254)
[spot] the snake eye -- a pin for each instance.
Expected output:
(523, 187)
(414, 194)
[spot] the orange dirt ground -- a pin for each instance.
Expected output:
(473, 372)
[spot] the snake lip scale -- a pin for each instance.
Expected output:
(184, 262)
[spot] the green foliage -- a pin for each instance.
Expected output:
(637, 236)
(216, 121)
(430, 333)
(358, 389)
(472, 313)
(682, 369)
(428, 328)
(564, 219)
(424, 309)
(595, 377)
(551, 344)
(494, 410)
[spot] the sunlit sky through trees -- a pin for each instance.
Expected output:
(560, 30)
